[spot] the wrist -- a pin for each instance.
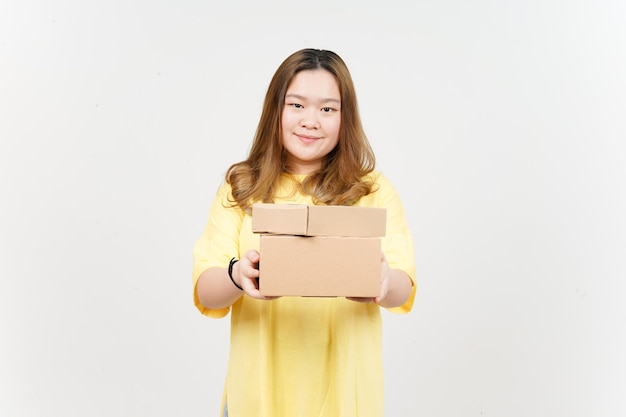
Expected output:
(231, 266)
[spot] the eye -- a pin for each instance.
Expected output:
(327, 109)
(295, 105)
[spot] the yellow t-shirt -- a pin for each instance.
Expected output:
(301, 356)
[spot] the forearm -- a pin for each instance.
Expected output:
(399, 290)
(215, 289)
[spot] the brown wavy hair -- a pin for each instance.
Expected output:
(341, 180)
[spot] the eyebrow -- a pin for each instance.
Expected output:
(323, 100)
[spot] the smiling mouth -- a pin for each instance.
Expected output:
(307, 137)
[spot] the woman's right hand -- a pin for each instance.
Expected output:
(247, 270)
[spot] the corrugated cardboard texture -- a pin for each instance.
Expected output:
(311, 220)
(319, 266)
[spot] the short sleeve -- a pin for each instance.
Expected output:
(397, 244)
(218, 243)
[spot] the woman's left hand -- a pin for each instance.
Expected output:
(385, 276)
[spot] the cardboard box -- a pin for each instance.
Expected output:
(320, 251)
(310, 220)
(321, 266)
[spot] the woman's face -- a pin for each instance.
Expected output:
(311, 119)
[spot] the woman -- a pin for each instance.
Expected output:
(302, 356)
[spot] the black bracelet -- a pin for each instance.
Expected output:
(230, 272)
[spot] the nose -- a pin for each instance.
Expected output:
(309, 119)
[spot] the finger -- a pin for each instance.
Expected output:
(252, 256)
(249, 287)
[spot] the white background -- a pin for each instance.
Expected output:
(501, 124)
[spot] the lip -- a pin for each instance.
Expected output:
(307, 138)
